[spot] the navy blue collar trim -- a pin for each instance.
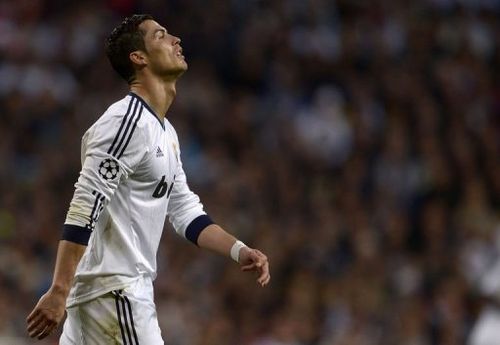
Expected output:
(147, 107)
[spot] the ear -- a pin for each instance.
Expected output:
(138, 57)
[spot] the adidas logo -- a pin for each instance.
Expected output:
(159, 152)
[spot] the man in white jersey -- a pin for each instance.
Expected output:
(131, 179)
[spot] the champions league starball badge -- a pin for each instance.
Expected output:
(108, 169)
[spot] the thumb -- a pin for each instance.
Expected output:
(247, 256)
(253, 257)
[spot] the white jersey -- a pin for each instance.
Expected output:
(131, 179)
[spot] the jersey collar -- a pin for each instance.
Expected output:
(143, 102)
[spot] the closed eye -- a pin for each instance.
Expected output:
(160, 33)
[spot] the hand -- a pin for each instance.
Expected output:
(253, 260)
(47, 314)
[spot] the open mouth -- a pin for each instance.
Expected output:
(179, 53)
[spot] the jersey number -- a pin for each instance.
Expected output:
(163, 188)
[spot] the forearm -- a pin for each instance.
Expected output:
(214, 238)
(68, 257)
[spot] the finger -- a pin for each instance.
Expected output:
(33, 314)
(47, 331)
(43, 334)
(261, 258)
(35, 332)
(38, 328)
(264, 280)
(35, 322)
(249, 267)
(260, 254)
(262, 262)
(267, 280)
(264, 273)
(257, 262)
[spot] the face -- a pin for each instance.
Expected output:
(163, 53)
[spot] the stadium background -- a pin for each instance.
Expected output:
(355, 142)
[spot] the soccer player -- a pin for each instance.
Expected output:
(131, 179)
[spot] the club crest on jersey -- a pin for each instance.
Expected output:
(159, 152)
(109, 169)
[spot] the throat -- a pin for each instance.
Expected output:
(158, 96)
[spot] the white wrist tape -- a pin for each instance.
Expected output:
(235, 250)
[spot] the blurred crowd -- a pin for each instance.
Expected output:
(355, 142)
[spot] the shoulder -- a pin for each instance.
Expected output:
(120, 122)
(127, 110)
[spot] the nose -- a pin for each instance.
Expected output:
(177, 40)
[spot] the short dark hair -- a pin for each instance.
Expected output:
(124, 39)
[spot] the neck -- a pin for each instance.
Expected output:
(158, 94)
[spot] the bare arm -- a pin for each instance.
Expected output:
(214, 238)
(49, 310)
(68, 257)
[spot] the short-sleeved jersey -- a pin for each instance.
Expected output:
(131, 179)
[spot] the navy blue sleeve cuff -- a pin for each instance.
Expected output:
(195, 228)
(76, 234)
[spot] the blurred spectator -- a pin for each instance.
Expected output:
(355, 142)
